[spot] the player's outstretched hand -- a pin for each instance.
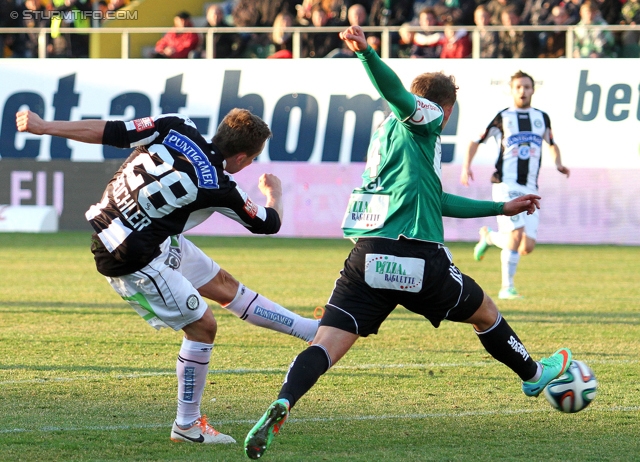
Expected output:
(28, 121)
(562, 169)
(466, 176)
(354, 38)
(527, 203)
(270, 185)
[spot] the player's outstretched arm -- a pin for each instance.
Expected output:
(467, 175)
(527, 203)
(86, 131)
(387, 83)
(557, 159)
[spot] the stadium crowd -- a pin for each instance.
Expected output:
(415, 18)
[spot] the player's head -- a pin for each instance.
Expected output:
(241, 137)
(439, 88)
(522, 89)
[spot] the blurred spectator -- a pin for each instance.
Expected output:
(456, 43)
(495, 8)
(555, 44)
(461, 11)
(76, 45)
(177, 43)
(12, 45)
(34, 19)
(389, 13)
(631, 39)
(303, 12)
(319, 44)
(489, 41)
(514, 43)
(337, 11)
(427, 43)
(356, 16)
(538, 12)
(573, 10)
(589, 42)
(224, 45)
(282, 47)
(259, 13)
(610, 10)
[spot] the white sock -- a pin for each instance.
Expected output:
(192, 367)
(260, 311)
(538, 374)
(509, 259)
(498, 239)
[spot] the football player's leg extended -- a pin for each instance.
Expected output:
(255, 308)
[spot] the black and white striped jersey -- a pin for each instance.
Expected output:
(172, 181)
(519, 134)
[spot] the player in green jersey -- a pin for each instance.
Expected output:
(399, 257)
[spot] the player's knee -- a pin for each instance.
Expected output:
(203, 330)
(526, 249)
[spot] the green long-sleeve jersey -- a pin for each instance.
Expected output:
(401, 192)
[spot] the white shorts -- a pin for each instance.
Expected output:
(165, 291)
(504, 192)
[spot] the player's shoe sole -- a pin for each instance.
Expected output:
(261, 435)
(552, 367)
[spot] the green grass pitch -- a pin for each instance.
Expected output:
(82, 377)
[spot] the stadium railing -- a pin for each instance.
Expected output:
(385, 34)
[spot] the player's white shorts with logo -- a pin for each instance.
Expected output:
(504, 192)
(165, 292)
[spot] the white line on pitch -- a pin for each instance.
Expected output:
(278, 369)
(435, 415)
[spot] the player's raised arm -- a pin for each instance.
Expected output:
(466, 175)
(388, 84)
(86, 131)
(271, 187)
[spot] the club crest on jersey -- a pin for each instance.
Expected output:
(143, 124)
(206, 173)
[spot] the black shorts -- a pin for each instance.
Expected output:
(380, 274)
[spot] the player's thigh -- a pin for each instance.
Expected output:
(196, 266)
(531, 223)
(161, 295)
(354, 305)
(447, 294)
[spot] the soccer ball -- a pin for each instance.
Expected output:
(574, 390)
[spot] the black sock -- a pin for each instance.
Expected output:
(303, 373)
(504, 345)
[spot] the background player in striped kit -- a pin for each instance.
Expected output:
(519, 132)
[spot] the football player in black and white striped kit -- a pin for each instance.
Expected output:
(519, 132)
(174, 180)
